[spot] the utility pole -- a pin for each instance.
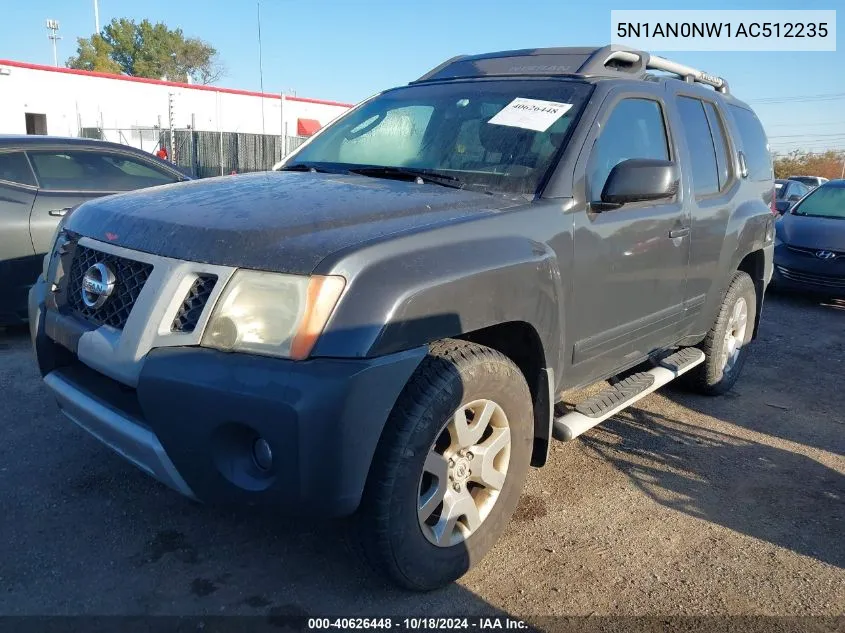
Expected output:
(260, 65)
(96, 16)
(171, 119)
(53, 35)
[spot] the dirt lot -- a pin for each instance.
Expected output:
(684, 505)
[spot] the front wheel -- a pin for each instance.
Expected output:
(449, 468)
(726, 344)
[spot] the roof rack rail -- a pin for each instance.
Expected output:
(607, 61)
(602, 60)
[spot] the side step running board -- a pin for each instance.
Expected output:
(623, 394)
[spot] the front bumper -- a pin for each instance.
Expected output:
(194, 417)
(803, 272)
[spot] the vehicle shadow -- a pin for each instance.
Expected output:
(768, 493)
(791, 384)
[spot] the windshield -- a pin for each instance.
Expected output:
(823, 202)
(806, 180)
(780, 188)
(495, 135)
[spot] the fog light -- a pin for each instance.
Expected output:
(262, 454)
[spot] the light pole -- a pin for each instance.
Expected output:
(53, 35)
(96, 16)
(260, 64)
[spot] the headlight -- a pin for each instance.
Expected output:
(272, 314)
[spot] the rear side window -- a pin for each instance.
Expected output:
(755, 146)
(95, 171)
(634, 129)
(705, 171)
(720, 142)
(15, 168)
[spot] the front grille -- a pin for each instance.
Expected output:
(130, 277)
(828, 281)
(189, 312)
(812, 251)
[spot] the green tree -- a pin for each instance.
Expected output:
(94, 53)
(148, 50)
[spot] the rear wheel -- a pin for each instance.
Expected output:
(449, 467)
(726, 344)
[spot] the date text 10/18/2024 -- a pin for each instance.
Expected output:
(417, 624)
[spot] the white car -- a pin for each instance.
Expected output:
(810, 181)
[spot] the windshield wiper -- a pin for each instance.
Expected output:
(408, 173)
(307, 167)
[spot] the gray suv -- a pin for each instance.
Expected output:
(385, 325)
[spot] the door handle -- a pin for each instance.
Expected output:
(59, 212)
(682, 232)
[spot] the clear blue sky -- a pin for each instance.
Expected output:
(348, 49)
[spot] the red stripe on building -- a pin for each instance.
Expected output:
(161, 82)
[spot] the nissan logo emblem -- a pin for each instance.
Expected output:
(825, 254)
(97, 285)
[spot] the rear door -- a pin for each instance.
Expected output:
(19, 266)
(710, 183)
(69, 177)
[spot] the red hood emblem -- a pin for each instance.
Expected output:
(111, 237)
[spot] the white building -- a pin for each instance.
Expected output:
(37, 99)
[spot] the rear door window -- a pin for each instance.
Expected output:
(696, 129)
(15, 168)
(755, 146)
(720, 142)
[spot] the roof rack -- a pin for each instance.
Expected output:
(608, 61)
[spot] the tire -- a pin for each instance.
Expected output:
(720, 369)
(394, 540)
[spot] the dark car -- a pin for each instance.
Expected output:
(41, 178)
(787, 193)
(385, 325)
(810, 243)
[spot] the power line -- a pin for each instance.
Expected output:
(805, 124)
(799, 99)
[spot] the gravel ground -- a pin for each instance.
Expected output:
(682, 505)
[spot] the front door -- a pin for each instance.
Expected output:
(630, 263)
(69, 177)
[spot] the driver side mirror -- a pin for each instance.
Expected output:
(782, 206)
(639, 180)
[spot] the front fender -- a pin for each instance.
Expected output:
(400, 297)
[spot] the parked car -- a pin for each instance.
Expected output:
(41, 178)
(787, 193)
(811, 181)
(810, 243)
(385, 325)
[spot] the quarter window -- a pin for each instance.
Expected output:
(755, 146)
(635, 129)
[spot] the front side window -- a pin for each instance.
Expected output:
(82, 170)
(15, 168)
(635, 129)
(456, 130)
(823, 202)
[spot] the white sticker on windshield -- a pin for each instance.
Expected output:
(530, 114)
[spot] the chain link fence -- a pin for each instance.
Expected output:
(204, 154)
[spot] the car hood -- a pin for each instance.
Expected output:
(809, 232)
(277, 221)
